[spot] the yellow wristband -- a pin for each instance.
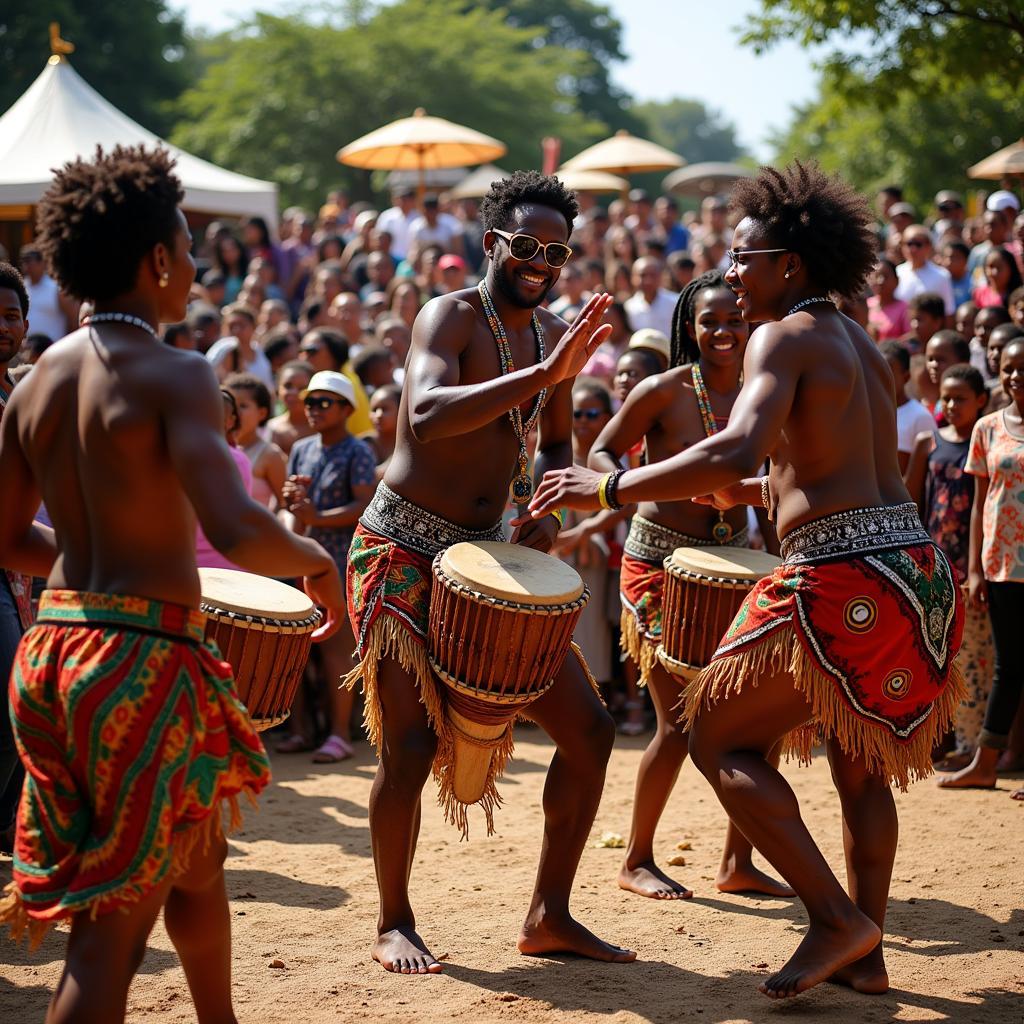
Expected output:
(602, 491)
(559, 516)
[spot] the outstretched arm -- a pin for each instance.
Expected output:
(441, 406)
(771, 370)
(639, 413)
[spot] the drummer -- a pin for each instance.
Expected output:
(457, 449)
(668, 413)
(856, 632)
(128, 724)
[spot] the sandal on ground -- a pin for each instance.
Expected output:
(954, 762)
(293, 744)
(634, 724)
(332, 750)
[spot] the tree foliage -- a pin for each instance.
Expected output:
(282, 95)
(923, 141)
(134, 54)
(689, 128)
(594, 33)
(898, 45)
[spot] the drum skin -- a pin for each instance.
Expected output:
(263, 629)
(704, 588)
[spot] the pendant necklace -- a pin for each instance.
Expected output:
(521, 488)
(721, 531)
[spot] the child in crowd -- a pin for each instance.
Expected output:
(1016, 307)
(252, 400)
(944, 493)
(944, 349)
(291, 424)
(996, 563)
(888, 317)
(331, 477)
(1002, 279)
(998, 339)
(963, 321)
(927, 313)
(912, 418)
(985, 322)
(384, 405)
(953, 257)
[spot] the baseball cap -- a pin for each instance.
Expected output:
(947, 195)
(902, 208)
(1002, 200)
(654, 340)
(333, 381)
(451, 260)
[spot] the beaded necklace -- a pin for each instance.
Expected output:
(721, 531)
(521, 488)
(121, 318)
(808, 302)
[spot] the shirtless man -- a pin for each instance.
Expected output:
(127, 722)
(668, 412)
(856, 631)
(448, 481)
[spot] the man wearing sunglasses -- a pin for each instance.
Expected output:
(458, 450)
(918, 273)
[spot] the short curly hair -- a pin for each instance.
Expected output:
(526, 187)
(10, 277)
(821, 217)
(100, 217)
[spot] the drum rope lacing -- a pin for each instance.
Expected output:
(721, 531)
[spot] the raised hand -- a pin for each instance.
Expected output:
(581, 340)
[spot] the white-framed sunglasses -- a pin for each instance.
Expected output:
(525, 247)
(735, 254)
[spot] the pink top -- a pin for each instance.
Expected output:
(985, 295)
(207, 556)
(891, 321)
(261, 491)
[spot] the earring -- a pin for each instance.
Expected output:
(164, 278)
(786, 275)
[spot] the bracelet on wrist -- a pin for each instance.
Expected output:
(607, 491)
(559, 516)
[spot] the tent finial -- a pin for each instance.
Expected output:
(59, 48)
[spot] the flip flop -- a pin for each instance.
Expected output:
(332, 750)
(293, 745)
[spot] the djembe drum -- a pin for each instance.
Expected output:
(263, 629)
(704, 588)
(501, 622)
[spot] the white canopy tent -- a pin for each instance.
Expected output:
(60, 117)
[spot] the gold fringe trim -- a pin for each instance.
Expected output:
(896, 760)
(637, 646)
(15, 915)
(594, 684)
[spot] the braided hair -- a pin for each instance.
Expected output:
(684, 348)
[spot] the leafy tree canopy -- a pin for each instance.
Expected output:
(689, 128)
(134, 54)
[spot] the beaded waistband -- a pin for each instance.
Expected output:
(651, 542)
(854, 532)
(136, 614)
(416, 528)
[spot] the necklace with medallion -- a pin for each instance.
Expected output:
(721, 531)
(521, 488)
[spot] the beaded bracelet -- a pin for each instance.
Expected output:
(607, 491)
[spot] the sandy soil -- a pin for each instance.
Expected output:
(302, 890)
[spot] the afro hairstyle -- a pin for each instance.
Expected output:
(10, 277)
(100, 218)
(820, 217)
(523, 188)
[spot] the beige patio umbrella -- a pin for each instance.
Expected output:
(705, 179)
(418, 143)
(1007, 162)
(591, 181)
(624, 154)
(477, 183)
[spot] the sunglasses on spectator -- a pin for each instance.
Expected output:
(949, 206)
(735, 254)
(587, 414)
(915, 243)
(321, 403)
(525, 247)
(310, 350)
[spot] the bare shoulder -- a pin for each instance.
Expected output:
(447, 320)
(664, 387)
(554, 326)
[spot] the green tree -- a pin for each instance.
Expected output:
(282, 95)
(132, 53)
(583, 26)
(923, 141)
(689, 128)
(900, 44)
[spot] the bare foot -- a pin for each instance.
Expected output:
(402, 951)
(824, 951)
(867, 975)
(1017, 794)
(971, 777)
(548, 934)
(648, 879)
(747, 878)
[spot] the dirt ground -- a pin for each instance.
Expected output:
(302, 891)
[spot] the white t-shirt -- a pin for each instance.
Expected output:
(912, 418)
(44, 313)
(447, 228)
(223, 351)
(656, 314)
(398, 225)
(930, 278)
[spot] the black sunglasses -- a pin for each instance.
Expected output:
(525, 247)
(321, 403)
(587, 414)
(310, 350)
(914, 243)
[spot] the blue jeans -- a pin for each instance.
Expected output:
(11, 772)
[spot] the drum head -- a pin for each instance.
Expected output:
(249, 594)
(724, 563)
(511, 572)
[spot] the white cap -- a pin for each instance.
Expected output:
(337, 383)
(1002, 200)
(653, 340)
